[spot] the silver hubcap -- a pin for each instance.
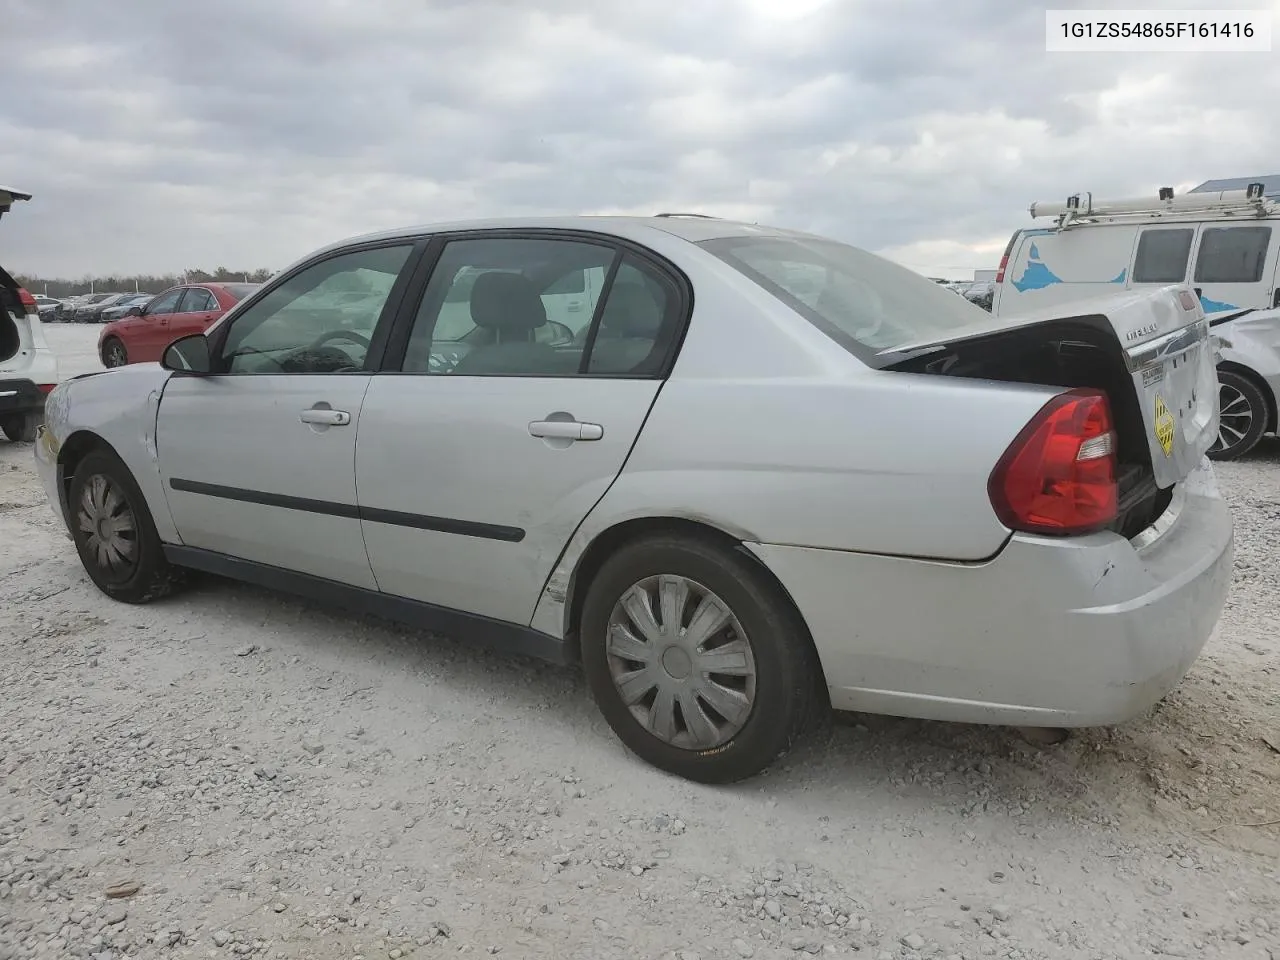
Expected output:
(115, 355)
(1235, 419)
(681, 662)
(109, 526)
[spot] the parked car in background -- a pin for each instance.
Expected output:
(45, 305)
(1224, 243)
(85, 308)
(120, 308)
(28, 368)
(143, 333)
(737, 471)
(66, 309)
(94, 313)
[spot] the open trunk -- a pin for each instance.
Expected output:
(1151, 354)
(10, 310)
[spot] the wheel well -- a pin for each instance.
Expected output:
(74, 449)
(615, 538)
(1273, 421)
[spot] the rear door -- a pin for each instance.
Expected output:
(491, 436)
(1235, 265)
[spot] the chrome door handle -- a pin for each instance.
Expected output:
(328, 418)
(565, 430)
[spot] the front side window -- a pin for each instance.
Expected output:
(1162, 256)
(1232, 254)
(165, 303)
(504, 306)
(320, 320)
(865, 303)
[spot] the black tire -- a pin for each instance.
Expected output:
(1244, 415)
(114, 353)
(786, 668)
(144, 574)
(20, 427)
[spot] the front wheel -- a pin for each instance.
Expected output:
(114, 353)
(1242, 419)
(114, 533)
(697, 662)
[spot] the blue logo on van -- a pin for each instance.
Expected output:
(1037, 275)
(1215, 306)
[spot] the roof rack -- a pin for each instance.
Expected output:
(1083, 208)
(701, 216)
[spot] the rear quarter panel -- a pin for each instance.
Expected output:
(1253, 342)
(118, 407)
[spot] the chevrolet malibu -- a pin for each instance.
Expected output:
(740, 474)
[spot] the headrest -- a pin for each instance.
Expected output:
(632, 312)
(506, 302)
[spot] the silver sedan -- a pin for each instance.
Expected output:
(740, 474)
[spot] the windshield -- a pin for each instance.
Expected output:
(865, 303)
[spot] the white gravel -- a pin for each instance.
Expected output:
(277, 780)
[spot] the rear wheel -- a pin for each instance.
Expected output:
(1243, 417)
(20, 427)
(114, 533)
(114, 353)
(696, 661)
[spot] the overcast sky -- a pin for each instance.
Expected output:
(158, 134)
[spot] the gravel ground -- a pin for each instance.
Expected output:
(232, 773)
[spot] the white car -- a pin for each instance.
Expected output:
(28, 368)
(737, 472)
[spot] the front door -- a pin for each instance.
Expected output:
(508, 417)
(198, 309)
(1235, 265)
(149, 333)
(258, 459)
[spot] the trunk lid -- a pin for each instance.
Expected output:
(1160, 353)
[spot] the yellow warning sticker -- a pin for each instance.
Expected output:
(1164, 426)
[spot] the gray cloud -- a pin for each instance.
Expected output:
(156, 139)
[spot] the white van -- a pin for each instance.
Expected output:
(1225, 244)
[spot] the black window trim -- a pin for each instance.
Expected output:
(390, 308)
(401, 328)
(1146, 229)
(1223, 228)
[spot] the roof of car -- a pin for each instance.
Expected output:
(689, 227)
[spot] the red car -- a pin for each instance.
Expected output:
(142, 335)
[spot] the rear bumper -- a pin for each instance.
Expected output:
(1070, 633)
(19, 396)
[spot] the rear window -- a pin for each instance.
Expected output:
(1162, 256)
(865, 303)
(1232, 254)
(239, 291)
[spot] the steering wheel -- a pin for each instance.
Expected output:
(324, 338)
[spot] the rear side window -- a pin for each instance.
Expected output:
(865, 303)
(1232, 254)
(1162, 256)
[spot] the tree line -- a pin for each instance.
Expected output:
(147, 283)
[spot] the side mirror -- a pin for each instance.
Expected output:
(133, 312)
(188, 355)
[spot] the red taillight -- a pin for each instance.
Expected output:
(1004, 262)
(1059, 474)
(45, 387)
(28, 302)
